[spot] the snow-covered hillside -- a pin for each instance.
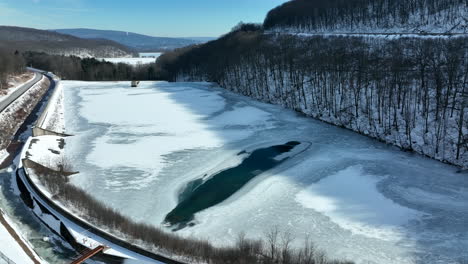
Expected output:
(409, 92)
(29, 39)
(377, 16)
(101, 51)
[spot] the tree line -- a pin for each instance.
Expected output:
(88, 69)
(11, 63)
(72, 67)
(411, 92)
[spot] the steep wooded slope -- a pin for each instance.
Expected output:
(410, 92)
(406, 90)
(361, 16)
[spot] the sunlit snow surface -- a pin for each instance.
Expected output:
(356, 198)
(145, 58)
(130, 61)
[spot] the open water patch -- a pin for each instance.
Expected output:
(199, 194)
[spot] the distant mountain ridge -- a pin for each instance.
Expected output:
(29, 39)
(136, 41)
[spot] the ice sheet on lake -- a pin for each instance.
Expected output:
(356, 198)
(351, 199)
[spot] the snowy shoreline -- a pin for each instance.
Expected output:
(17, 248)
(52, 119)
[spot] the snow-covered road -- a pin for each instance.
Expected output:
(356, 198)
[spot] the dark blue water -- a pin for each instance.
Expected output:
(199, 195)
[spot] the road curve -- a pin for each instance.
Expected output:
(20, 91)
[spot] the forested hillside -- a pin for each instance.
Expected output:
(365, 16)
(28, 39)
(11, 63)
(71, 67)
(411, 92)
(88, 69)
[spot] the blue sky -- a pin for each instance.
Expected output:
(172, 18)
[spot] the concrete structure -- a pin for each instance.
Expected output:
(135, 83)
(37, 131)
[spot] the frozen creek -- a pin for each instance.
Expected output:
(356, 198)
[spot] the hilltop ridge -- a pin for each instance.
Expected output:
(29, 39)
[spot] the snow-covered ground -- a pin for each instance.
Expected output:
(145, 58)
(3, 155)
(131, 61)
(54, 113)
(11, 249)
(450, 19)
(356, 198)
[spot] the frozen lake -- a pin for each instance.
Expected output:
(140, 149)
(145, 58)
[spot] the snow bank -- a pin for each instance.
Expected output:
(3, 155)
(11, 249)
(54, 113)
